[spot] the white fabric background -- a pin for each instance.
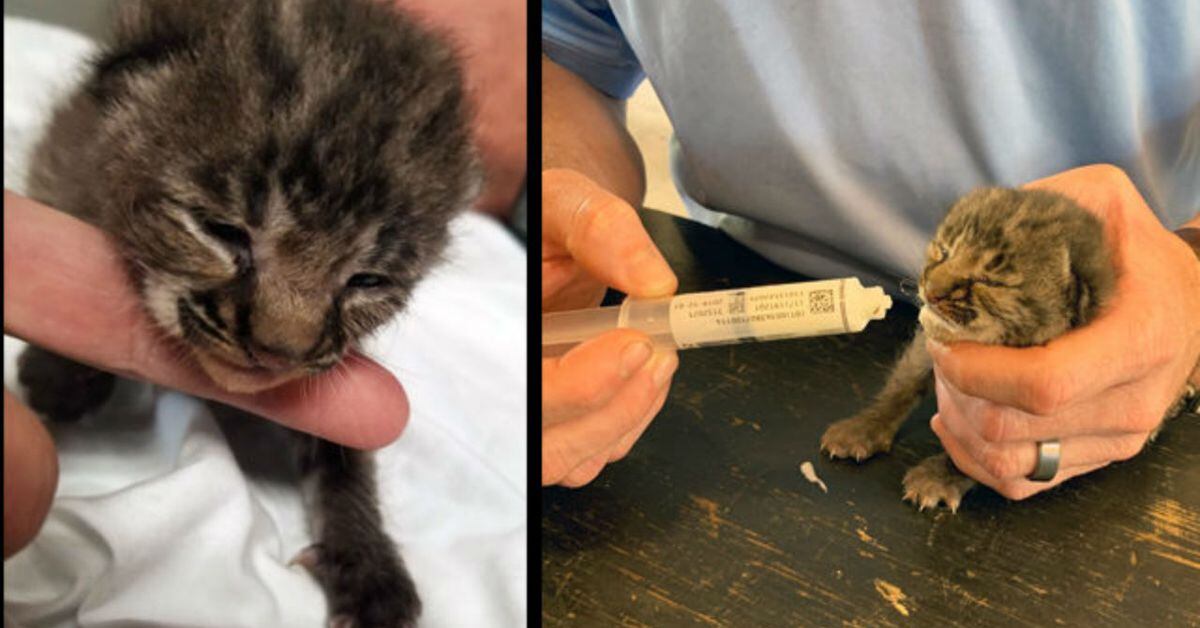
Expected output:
(154, 524)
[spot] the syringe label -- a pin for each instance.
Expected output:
(768, 312)
(820, 301)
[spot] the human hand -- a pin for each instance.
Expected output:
(67, 290)
(30, 474)
(1101, 389)
(599, 397)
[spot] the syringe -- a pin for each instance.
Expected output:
(702, 319)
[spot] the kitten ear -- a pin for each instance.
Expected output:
(146, 35)
(1080, 299)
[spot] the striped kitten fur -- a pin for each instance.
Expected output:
(278, 174)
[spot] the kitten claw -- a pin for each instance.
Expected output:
(858, 437)
(935, 481)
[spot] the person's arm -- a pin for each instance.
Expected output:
(584, 130)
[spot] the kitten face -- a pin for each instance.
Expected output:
(262, 303)
(1013, 267)
(279, 176)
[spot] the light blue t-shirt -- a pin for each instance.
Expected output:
(831, 136)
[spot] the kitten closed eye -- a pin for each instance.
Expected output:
(992, 283)
(227, 233)
(368, 280)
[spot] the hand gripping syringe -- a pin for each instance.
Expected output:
(702, 319)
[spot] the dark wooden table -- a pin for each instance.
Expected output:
(710, 522)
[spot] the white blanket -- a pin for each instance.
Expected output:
(154, 523)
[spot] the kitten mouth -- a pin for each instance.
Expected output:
(239, 378)
(234, 375)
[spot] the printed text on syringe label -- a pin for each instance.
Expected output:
(764, 313)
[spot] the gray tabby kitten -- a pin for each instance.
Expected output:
(278, 174)
(1007, 267)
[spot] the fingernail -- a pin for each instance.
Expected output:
(935, 348)
(664, 366)
(633, 357)
(650, 273)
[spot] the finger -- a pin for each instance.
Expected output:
(68, 291)
(358, 404)
(590, 470)
(567, 443)
(603, 233)
(1016, 488)
(30, 474)
(585, 473)
(589, 375)
(1017, 460)
(963, 460)
(1126, 410)
(1012, 460)
(565, 286)
(626, 443)
(1020, 489)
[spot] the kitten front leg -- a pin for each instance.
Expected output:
(354, 560)
(872, 430)
(61, 389)
(935, 480)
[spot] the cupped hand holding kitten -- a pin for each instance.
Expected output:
(1101, 389)
(599, 397)
(67, 290)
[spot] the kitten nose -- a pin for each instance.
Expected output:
(285, 324)
(944, 286)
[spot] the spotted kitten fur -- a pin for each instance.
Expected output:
(278, 175)
(1006, 267)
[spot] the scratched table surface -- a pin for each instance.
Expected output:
(709, 520)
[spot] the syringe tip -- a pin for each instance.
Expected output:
(878, 303)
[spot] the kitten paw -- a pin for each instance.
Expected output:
(366, 588)
(858, 437)
(61, 389)
(934, 481)
(307, 558)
